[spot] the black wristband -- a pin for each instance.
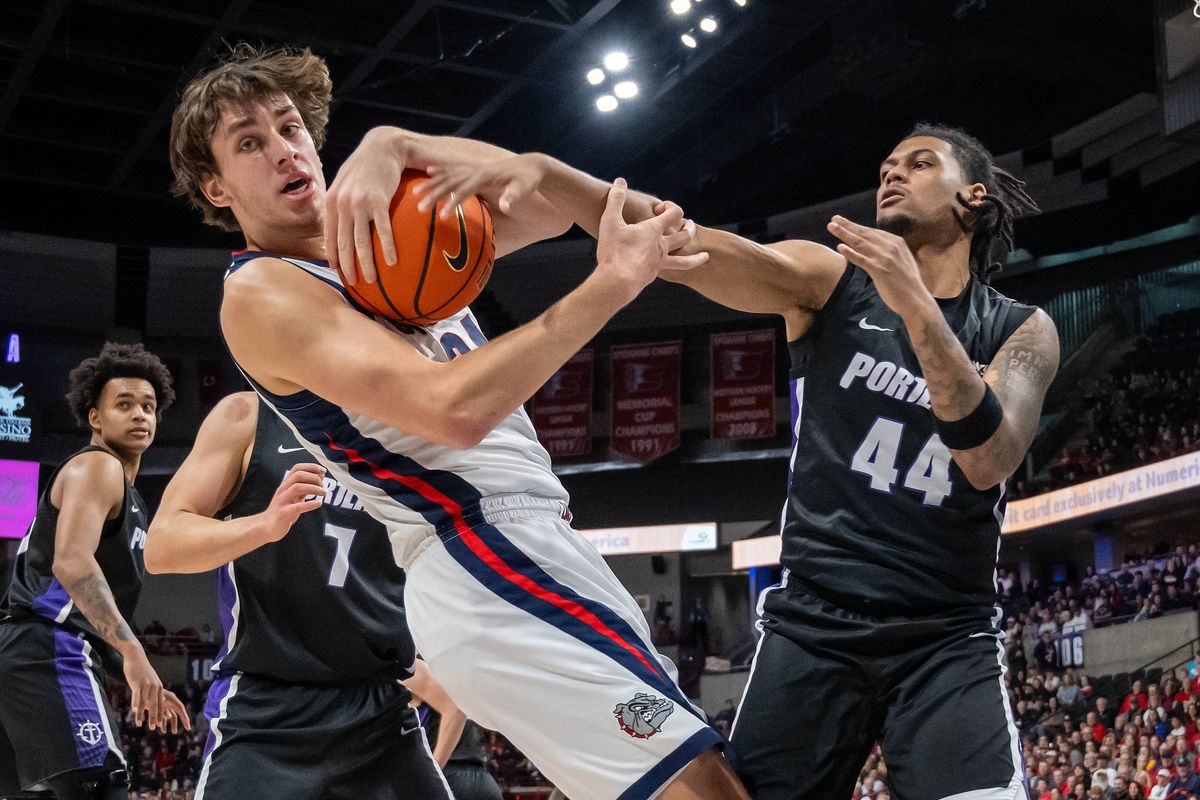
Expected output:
(975, 428)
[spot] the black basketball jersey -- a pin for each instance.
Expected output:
(323, 605)
(35, 591)
(879, 518)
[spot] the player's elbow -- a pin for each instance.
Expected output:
(461, 430)
(153, 555)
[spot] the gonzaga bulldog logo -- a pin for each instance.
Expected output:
(644, 715)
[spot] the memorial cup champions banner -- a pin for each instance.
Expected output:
(562, 409)
(645, 399)
(743, 384)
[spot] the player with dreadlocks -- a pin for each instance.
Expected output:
(921, 388)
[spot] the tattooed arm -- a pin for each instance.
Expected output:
(88, 491)
(1019, 375)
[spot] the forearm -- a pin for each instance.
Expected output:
(183, 542)
(955, 390)
(582, 197)
(419, 150)
(485, 385)
(449, 732)
(89, 590)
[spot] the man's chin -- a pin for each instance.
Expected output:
(899, 224)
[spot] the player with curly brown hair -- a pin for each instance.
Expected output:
(63, 622)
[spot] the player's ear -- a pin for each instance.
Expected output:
(975, 193)
(94, 418)
(215, 191)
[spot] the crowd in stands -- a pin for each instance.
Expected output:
(1143, 587)
(1145, 410)
(1119, 736)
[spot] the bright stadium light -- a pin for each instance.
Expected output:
(681, 6)
(688, 40)
(740, 3)
(595, 76)
(708, 24)
(625, 90)
(616, 61)
(606, 103)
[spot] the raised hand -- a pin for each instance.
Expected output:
(886, 258)
(635, 254)
(359, 197)
(501, 183)
(302, 490)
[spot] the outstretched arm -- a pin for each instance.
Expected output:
(183, 536)
(354, 362)
(788, 278)
(92, 488)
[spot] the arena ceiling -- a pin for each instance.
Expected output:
(788, 102)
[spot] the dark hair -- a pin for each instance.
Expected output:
(88, 379)
(244, 75)
(992, 220)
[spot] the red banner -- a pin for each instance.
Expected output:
(743, 384)
(645, 399)
(562, 409)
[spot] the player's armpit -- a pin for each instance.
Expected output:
(762, 279)
(1020, 376)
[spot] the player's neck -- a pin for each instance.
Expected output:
(945, 266)
(130, 462)
(309, 246)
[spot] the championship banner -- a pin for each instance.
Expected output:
(562, 408)
(645, 399)
(743, 384)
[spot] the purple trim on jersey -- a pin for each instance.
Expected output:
(86, 718)
(50, 603)
(793, 384)
(645, 786)
(227, 598)
(217, 693)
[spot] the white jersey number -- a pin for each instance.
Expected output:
(341, 558)
(876, 458)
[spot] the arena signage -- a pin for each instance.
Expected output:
(1062, 505)
(653, 539)
(13, 427)
(18, 497)
(1103, 494)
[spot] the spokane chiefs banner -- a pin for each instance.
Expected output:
(562, 409)
(645, 399)
(743, 384)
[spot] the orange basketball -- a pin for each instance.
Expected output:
(441, 264)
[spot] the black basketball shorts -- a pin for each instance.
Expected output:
(828, 683)
(268, 739)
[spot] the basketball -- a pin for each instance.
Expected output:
(442, 264)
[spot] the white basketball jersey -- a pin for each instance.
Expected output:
(410, 484)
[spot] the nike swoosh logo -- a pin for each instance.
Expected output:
(283, 449)
(136, 509)
(866, 326)
(459, 262)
